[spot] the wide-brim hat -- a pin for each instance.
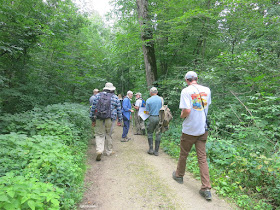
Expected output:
(109, 86)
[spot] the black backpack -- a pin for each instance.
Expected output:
(103, 106)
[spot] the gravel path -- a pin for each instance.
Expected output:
(132, 179)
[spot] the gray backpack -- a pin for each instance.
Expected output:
(103, 106)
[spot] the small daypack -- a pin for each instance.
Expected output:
(103, 106)
(165, 117)
(143, 103)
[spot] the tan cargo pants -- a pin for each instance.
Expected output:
(187, 141)
(103, 136)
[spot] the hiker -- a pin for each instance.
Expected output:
(120, 98)
(194, 102)
(139, 122)
(126, 110)
(153, 105)
(95, 91)
(105, 108)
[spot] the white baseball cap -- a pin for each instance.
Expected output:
(153, 90)
(190, 75)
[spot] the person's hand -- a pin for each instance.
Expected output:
(119, 124)
(93, 124)
(131, 110)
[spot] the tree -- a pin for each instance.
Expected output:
(148, 42)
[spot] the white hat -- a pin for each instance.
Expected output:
(129, 92)
(190, 75)
(153, 90)
(138, 94)
(109, 86)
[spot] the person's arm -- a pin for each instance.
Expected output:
(185, 105)
(125, 105)
(137, 105)
(93, 109)
(185, 113)
(147, 107)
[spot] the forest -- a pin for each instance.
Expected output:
(52, 55)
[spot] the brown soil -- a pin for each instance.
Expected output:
(133, 179)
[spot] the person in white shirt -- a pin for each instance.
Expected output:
(139, 122)
(194, 102)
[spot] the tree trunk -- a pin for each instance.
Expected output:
(148, 43)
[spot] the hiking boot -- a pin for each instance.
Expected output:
(124, 139)
(151, 151)
(98, 157)
(109, 153)
(176, 178)
(127, 138)
(157, 143)
(206, 194)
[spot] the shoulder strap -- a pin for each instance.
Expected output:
(202, 105)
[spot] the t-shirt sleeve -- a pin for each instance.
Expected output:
(209, 98)
(147, 106)
(138, 103)
(185, 100)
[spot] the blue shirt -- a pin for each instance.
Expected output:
(153, 105)
(115, 107)
(126, 106)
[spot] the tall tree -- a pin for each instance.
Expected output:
(148, 42)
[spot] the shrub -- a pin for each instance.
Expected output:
(47, 146)
(17, 192)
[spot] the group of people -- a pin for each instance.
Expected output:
(194, 102)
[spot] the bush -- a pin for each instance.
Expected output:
(47, 146)
(237, 169)
(18, 192)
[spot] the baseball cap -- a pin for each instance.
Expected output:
(190, 75)
(153, 90)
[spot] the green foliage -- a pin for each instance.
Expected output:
(238, 168)
(18, 192)
(48, 147)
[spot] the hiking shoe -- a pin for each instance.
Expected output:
(155, 153)
(127, 138)
(176, 178)
(98, 157)
(206, 194)
(124, 140)
(150, 151)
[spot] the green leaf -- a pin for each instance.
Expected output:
(31, 204)
(4, 198)
(11, 193)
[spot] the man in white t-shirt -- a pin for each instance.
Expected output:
(194, 102)
(139, 122)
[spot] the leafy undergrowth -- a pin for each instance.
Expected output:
(238, 169)
(42, 157)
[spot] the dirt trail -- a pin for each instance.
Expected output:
(132, 179)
